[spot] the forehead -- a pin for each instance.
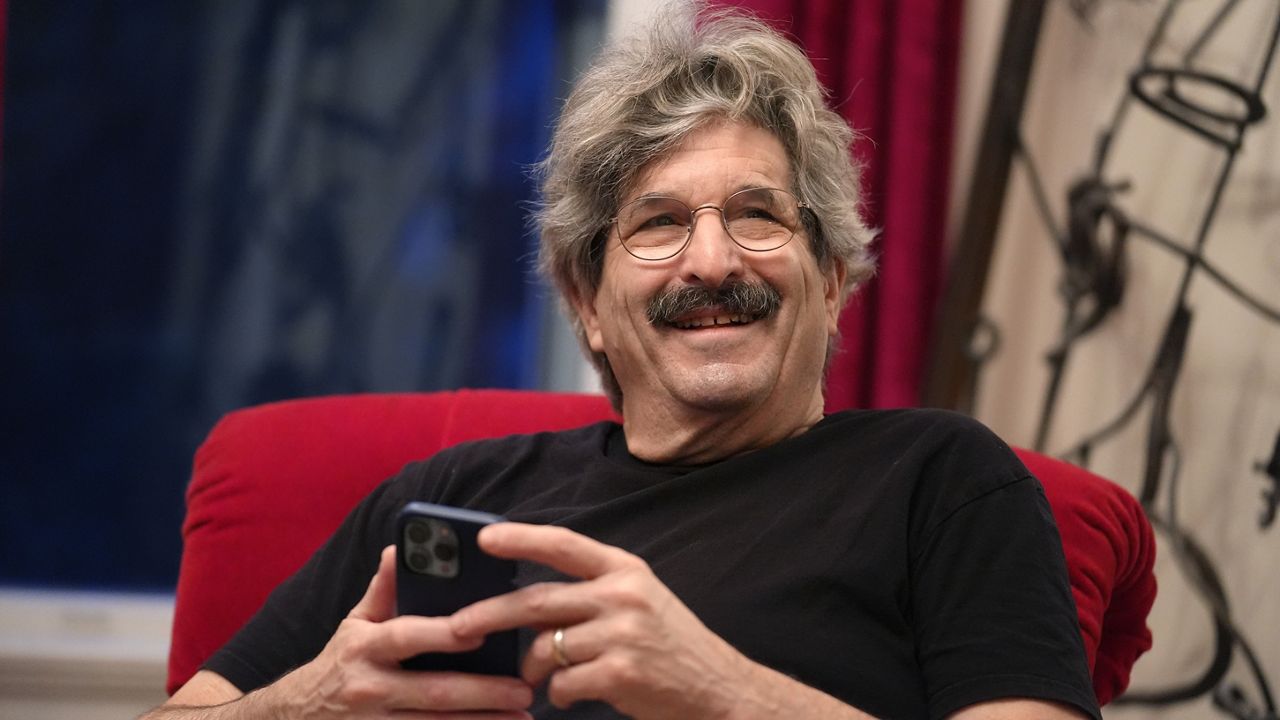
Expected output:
(714, 161)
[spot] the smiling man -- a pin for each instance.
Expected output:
(715, 319)
(728, 551)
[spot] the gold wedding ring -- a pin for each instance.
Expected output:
(558, 651)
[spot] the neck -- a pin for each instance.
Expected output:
(683, 435)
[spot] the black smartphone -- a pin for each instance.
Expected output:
(441, 569)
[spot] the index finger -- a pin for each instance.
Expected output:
(558, 548)
(408, 635)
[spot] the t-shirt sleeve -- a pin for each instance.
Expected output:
(992, 604)
(991, 601)
(304, 611)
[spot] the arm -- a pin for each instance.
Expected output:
(988, 577)
(205, 689)
(358, 673)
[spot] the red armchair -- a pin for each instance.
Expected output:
(272, 482)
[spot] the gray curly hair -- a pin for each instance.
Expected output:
(641, 98)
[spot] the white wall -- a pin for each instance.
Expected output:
(82, 655)
(1227, 408)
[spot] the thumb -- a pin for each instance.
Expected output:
(379, 601)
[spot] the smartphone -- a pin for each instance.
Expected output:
(441, 569)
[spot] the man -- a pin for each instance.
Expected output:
(728, 551)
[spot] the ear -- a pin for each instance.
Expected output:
(585, 308)
(834, 294)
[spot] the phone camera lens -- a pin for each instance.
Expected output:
(419, 532)
(419, 562)
(445, 553)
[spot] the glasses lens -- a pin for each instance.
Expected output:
(762, 218)
(654, 228)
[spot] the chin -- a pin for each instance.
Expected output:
(721, 387)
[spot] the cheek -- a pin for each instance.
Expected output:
(619, 310)
(812, 288)
(793, 278)
(630, 290)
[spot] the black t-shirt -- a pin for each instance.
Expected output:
(902, 561)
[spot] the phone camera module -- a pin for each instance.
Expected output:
(431, 548)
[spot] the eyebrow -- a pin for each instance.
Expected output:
(734, 191)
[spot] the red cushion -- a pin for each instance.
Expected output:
(1110, 553)
(272, 482)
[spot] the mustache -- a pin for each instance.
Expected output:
(757, 300)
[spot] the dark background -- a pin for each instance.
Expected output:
(207, 205)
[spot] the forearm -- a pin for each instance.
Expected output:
(243, 708)
(209, 696)
(254, 705)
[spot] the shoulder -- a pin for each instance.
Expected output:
(927, 425)
(946, 459)
(934, 440)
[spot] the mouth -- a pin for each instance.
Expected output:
(707, 321)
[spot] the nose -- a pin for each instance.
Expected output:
(711, 258)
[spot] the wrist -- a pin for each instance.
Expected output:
(280, 700)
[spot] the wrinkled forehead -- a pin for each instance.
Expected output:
(711, 142)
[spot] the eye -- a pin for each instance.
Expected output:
(661, 216)
(757, 213)
(657, 221)
(754, 211)
(759, 206)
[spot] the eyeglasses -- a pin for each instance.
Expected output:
(658, 227)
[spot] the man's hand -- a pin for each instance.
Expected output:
(627, 639)
(358, 674)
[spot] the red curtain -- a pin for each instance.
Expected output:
(890, 68)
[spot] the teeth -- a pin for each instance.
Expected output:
(714, 320)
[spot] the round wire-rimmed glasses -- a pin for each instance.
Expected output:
(658, 227)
